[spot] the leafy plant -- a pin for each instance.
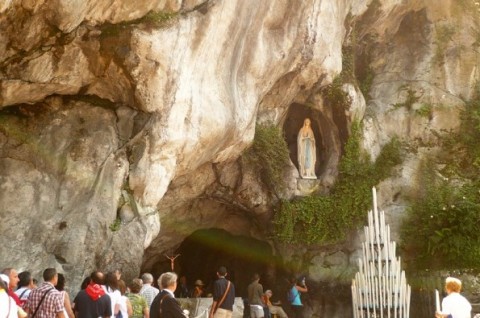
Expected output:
(269, 155)
(336, 95)
(425, 110)
(115, 226)
(156, 19)
(410, 99)
(445, 34)
(322, 219)
(441, 228)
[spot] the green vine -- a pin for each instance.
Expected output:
(323, 219)
(115, 226)
(410, 99)
(441, 230)
(269, 156)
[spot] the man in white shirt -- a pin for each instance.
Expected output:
(148, 291)
(454, 305)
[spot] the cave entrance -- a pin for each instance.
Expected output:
(202, 252)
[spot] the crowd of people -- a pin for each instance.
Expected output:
(106, 295)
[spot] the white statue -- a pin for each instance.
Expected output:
(307, 155)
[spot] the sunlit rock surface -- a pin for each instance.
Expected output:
(121, 123)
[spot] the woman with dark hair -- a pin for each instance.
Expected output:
(25, 285)
(111, 288)
(68, 312)
(298, 286)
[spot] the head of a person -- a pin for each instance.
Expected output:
(136, 285)
(222, 271)
(255, 277)
(111, 280)
(60, 282)
(25, 279)
(4, 281)
(300, 281)
(50, 275)
(453, 285)
(122, 287)
(268, 293)
(118, 273)
(97, 277)
(199, 283)
(147, 278)
(12, 276)
(34, 283)
(183, 280)
(168, 280)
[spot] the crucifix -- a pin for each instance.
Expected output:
(172, 260)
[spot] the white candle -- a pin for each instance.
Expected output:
(437, 301)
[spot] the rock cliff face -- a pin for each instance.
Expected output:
(121, 123)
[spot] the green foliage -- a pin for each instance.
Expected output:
(335, 94)
(425, 110)
(410, 99)
(441, 230)
(366, 81)
(158, 19)
(445, 34)
(442, 227)
(321, 219)
(151, 19)
(115, 226)
(269, 155)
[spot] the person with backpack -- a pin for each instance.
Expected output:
(294, 296)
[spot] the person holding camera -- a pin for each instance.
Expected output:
(294, 296)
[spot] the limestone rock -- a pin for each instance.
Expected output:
(140, 111)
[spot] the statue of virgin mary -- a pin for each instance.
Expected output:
(307, 155)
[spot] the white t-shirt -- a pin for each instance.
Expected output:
(123, 306)
(115, 297)
(457, 306)
(23, 293)
(8, 307)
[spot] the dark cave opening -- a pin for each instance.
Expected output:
(204, 251)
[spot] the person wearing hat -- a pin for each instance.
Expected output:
(198, 290)
(274, 309)
(454, 305)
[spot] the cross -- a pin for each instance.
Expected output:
(172, 260)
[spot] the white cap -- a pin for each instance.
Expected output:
(5, 278)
